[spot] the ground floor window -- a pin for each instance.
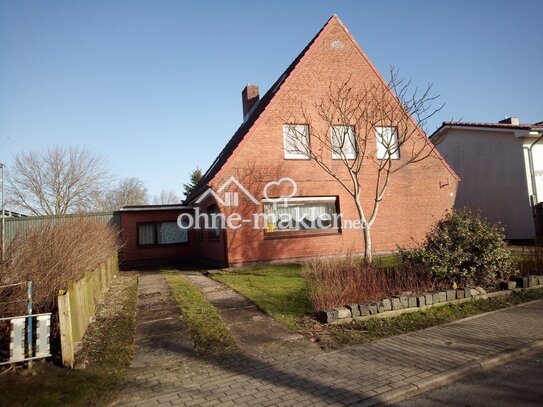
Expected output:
(301, 214)
(215, 230)
(161, 233)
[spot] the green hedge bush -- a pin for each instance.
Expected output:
(465, 249)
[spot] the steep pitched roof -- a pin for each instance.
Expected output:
(264, 102)
(248, 123)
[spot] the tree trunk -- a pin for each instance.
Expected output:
(368, 254)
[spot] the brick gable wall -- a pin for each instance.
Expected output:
(417, 197)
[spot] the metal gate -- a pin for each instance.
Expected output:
(29, 334)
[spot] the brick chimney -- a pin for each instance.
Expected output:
(510, 120)
(249, 98)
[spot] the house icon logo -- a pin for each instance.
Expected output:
(232, 198)
(228, 198)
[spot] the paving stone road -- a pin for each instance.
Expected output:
(293, 374)
(519, 383)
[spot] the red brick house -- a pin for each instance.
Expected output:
(257, 154)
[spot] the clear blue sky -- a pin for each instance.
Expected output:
(154, 86)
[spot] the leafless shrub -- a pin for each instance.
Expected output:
(51, 255)
(530, 260)
(344, 280)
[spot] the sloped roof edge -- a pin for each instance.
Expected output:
(242, 131)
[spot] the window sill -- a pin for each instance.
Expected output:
(300, 233)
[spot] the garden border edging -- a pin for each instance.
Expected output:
(378, 309)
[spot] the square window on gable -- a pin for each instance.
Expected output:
(387, 143)
(296, 141)
(343, 142)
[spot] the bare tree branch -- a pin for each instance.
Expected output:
(128, 191)
(56, 181)
(387, 135)
(166, 198)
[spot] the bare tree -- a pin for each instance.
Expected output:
(361, 135)
(128, 191)
(57, 180)
(166, 197)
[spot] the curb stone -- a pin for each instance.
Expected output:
(400, 311)
(450, 376)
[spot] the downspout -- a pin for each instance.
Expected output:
(532, 170)
(534, 199)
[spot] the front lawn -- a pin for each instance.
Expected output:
(278, 290)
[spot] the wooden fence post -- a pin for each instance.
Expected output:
(75, 326)
(66, 334)
(78, 304)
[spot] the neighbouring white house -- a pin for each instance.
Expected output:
(501, 171)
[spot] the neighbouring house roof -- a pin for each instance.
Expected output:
(489, 125)
(12, 214)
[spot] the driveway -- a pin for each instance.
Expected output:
(292, 373)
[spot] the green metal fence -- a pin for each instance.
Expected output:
(17, 225)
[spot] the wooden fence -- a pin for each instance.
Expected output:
(77, 306)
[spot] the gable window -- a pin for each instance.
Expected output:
(296, 141)
(387, 143)
(301, 214)
(343, 142)
(161, 233)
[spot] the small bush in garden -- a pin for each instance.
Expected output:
(465, 249)
(348, 279)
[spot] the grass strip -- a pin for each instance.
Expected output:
(208, 331)
(107, 350)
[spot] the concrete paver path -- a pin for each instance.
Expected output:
(359, 375)
(161, 336)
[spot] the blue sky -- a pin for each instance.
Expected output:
(154, 86)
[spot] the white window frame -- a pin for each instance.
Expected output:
(383, 150)
(336, 153)
(271, 205)
(290, 155)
